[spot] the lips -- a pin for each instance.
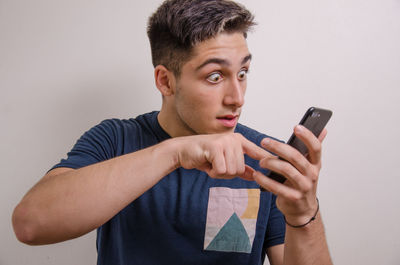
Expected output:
(228, 120)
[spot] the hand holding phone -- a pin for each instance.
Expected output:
(315, 119)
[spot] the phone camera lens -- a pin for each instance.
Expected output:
(316, 114)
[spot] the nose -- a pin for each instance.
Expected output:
(234, 93)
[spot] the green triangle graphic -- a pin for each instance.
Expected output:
(232, 237)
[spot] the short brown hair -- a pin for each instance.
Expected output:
(178, 25)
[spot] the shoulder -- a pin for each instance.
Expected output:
(115, 134)
(117, 126)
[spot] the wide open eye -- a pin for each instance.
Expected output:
(242, 74)
(214, 78)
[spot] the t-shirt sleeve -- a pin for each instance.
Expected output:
(95, 145)
(276, 227)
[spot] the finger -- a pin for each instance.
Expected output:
(217, 161)
(253, 150)
(311, 142)
(276, 187)
(234, 160)
(248, 173)
(322, 135)
(240, 163)
(292, 175)
(288, 153)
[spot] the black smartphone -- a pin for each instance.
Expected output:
(315, 120)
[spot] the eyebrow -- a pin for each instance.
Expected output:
(222, 61)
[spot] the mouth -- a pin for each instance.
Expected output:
(228, 120)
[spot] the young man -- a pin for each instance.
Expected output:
(182, 185)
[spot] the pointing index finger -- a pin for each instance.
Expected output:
(254, 151)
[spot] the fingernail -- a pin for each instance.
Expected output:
(299, 128)
(266, 141)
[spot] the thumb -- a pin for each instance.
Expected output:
(248, 173)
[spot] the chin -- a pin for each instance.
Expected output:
(226, 130)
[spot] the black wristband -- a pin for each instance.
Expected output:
(303, 225)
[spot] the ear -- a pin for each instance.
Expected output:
(165, 80)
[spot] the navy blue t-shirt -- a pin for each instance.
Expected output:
(187, 217)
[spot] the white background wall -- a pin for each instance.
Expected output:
(67, 65)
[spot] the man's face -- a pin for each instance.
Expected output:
(209, 93)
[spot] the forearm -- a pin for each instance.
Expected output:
(70, 204)
(307, 245)
(74, 203)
